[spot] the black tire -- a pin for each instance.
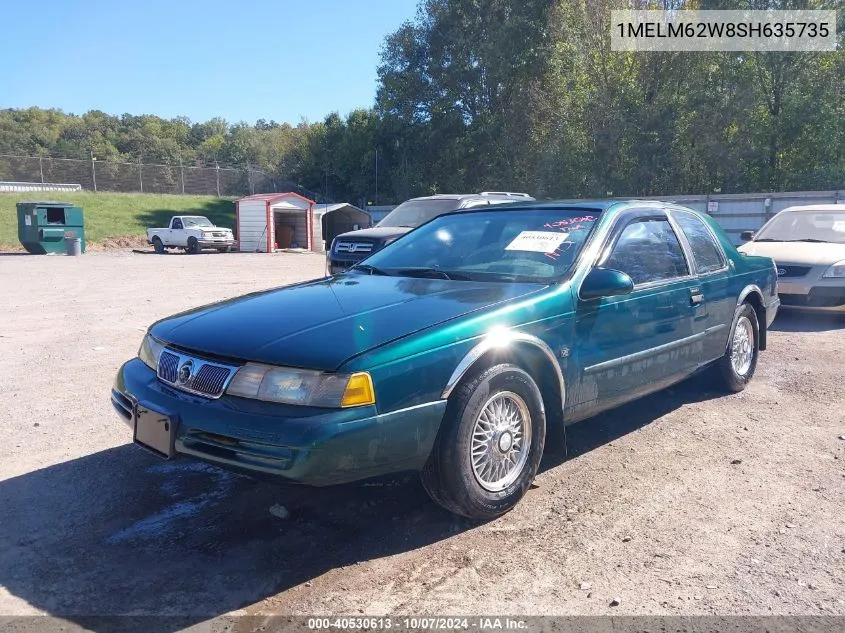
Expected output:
(193, 246)
(727, 373)
(449, 476)
(158, 246)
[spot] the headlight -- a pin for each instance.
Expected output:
(207, 235)
(150, 351)
(837, 270)
(303, 387)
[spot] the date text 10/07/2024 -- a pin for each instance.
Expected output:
(417, 623)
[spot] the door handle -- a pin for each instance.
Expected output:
(696, 297)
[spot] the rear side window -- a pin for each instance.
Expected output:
(648, 251)
(708, 255)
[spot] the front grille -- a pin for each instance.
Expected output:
(353, 248)
(210, 379)
(168, 364)
(218, 235)
(194, 375)
(785, 270)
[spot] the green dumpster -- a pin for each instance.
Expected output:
(43, 226)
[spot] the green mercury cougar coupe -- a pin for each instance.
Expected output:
(460, 350)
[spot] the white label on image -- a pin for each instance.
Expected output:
(537, 241)
(28, 220)
(839, 226)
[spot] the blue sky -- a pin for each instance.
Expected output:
(246, 60)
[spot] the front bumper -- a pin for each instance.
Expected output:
(813, 295)
(337, 266)
(306, 445)
(216, 243)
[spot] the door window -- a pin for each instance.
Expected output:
(707, 253)
(648, 251)
(177, 224)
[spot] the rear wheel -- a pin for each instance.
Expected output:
(193, 246)
(490, 443)
(158, 245)
(736, 367)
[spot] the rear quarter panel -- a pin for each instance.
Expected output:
(748, 272)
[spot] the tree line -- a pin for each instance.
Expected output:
(521, 95)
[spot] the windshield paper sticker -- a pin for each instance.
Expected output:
(537, 241)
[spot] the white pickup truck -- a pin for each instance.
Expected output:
(192, 233)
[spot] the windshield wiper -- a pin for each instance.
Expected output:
(373, 270)
(431, 272)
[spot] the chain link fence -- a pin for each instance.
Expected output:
(96, 175)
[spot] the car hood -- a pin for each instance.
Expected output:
(323, 323)
(809, 253)
(377, 232)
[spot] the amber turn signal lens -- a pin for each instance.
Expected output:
(359, 391)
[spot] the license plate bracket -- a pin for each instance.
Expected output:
(154, 430)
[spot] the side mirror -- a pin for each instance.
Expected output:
(746, 236)
(605, 282)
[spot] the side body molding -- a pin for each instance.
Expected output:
(503, 339)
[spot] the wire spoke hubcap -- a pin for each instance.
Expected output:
(742, 346)
(501, 440)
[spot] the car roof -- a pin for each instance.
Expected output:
(593, 206)
(466, 196)
(817, 207)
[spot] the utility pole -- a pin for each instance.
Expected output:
(376, 176)
(93, 170)
(326, 187)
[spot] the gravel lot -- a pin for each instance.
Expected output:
(686, 502)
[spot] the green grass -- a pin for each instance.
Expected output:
(118, 214)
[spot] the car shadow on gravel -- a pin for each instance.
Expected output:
(122, 532)
(598, 430)
(792, 321)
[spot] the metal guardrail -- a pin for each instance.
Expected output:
(26, 187)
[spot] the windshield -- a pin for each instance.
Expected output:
(533, 245)
(804, 226)
(196, 220)
(415, 212)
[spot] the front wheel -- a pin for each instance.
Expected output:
(193, 246)
(158, 245)
(736, 367)
(489, 446)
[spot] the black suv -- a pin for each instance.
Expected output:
(350, 248)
